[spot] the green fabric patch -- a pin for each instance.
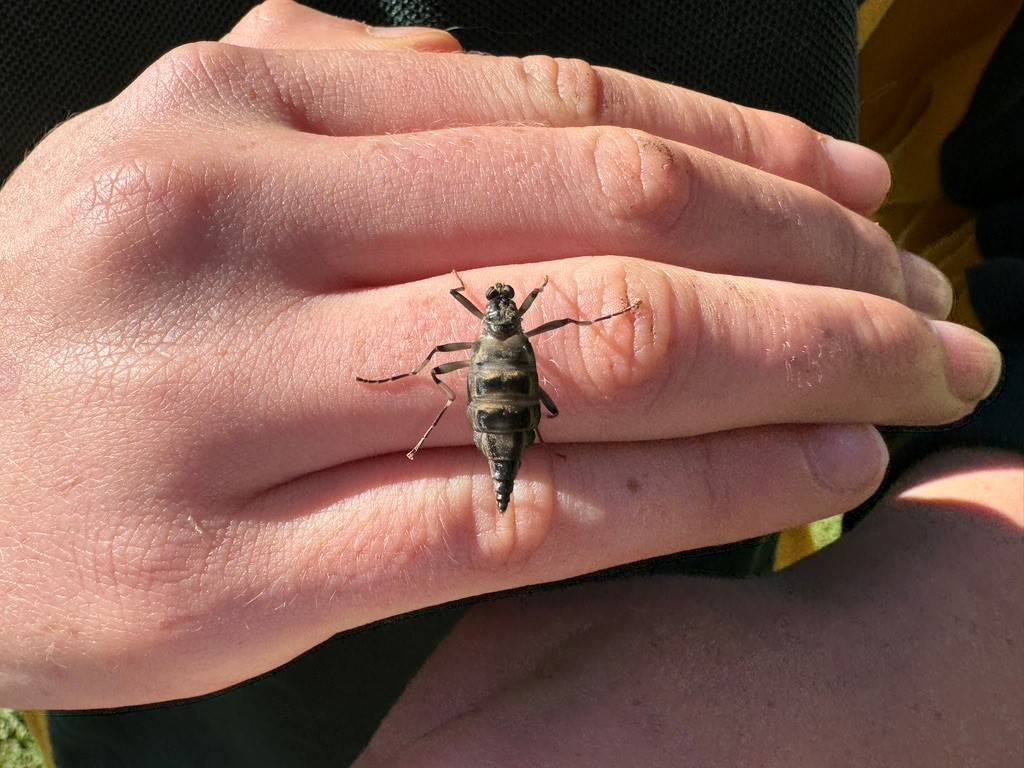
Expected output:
(17, 747)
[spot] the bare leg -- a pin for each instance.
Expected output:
(533, 295)
(548, 403)
(463, 300)
(434, 373)
(554, 324)
(859, 595)
(456, 346)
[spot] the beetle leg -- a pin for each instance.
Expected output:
(464, 300)
(456, 346)
(434, 373)
(541, 440)
(548, 403)
(528, 302)
(555, 324)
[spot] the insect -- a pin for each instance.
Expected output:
(504, 392)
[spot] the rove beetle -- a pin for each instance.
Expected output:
(504, 392)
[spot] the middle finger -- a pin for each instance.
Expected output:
(368, 211)
(351, 93)
(703, 353)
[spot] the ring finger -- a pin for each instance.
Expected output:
(353, 93)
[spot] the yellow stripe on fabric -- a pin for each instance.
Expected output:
(919, 70)
(920, 63)
(797, 543)
(869, 17)
(954, 254)
(37, 725)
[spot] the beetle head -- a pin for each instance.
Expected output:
(500, 291)
(502, 313)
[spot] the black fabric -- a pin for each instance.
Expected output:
(59, 58)
(983, 159)
(983, 169)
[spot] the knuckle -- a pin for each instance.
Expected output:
(642, 184)
(70, 130)
(129, 193)
(897, 348)
(779, 210)
(872, 260)
(859, 255)
(568, 90)
(506, 544)
(811, 162)
(150, 559)
(746, 136)
(632, 357)
(186, 78)
(702, 472)
(879, 338)
(133, 204)
(795, 150)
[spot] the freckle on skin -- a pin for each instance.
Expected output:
(9, 376)
(632, 485)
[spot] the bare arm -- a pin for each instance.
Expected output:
(899, 646)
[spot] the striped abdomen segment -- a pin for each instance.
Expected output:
(504, 407)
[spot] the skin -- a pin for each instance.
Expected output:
(897, 646)
(193, 275)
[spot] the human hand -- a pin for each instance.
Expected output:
(194, 273)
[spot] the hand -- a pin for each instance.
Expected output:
(872, 653)
(194, 274)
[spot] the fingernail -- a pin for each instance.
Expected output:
(846, 458)
(861, 175)
(928, 290)
(973, 363)
(398, 31)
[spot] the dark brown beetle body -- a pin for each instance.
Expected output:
(504, 391)
(504, 405)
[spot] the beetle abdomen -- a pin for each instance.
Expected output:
(504, 406)
(504, 453)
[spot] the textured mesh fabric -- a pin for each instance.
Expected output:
(60, 57)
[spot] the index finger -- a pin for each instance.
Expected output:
(363, 93)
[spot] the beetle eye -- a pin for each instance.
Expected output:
(492, 293)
